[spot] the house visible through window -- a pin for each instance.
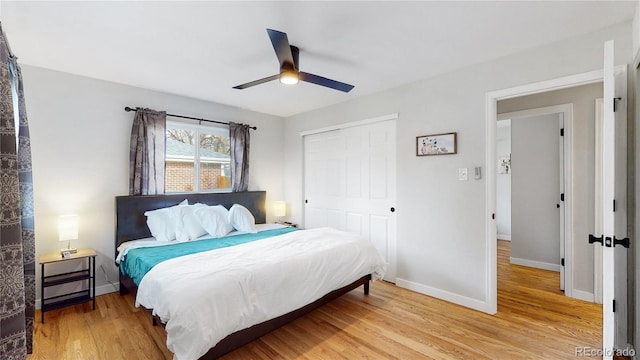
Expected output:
(210, 159)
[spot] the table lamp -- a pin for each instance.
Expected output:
(67, 231)
(279, 210)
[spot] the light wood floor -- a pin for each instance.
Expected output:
(534, 321)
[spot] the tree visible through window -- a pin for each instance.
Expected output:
(210, 159)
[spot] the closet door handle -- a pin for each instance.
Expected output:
(393, 209)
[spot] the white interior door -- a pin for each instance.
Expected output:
(612, 214)
(324, 189)
(560, 197)
(350, 184)
(536, 187)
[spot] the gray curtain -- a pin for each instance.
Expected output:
(147, 150)
(239, 141)
(17, 240)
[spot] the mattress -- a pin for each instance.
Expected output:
(205, 296)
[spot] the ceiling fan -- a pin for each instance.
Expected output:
(289, 70)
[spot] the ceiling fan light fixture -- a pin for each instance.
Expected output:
(289, 77)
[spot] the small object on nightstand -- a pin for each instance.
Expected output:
(87, 274)
(286, 223)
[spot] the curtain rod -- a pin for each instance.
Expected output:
(127, 109)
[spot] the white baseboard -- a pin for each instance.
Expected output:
(535, 264)
(445, 295)
(583, 295)
(100, 290)
(504, 237)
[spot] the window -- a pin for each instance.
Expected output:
(210, 159)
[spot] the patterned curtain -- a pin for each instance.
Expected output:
(239, 141)
(17, 239)
(147, 149)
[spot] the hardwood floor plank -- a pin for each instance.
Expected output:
(534, 320)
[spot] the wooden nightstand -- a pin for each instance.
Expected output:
(87, 274)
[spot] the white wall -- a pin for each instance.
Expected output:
(441, 224)
(80, 147)
(503, 181)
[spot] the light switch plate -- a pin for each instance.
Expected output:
(463, 174)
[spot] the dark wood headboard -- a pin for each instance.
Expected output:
(131, 223)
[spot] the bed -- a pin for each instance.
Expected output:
(350, 265)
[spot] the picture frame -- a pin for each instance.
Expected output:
(437, 144)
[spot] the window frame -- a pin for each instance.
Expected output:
(197, 129)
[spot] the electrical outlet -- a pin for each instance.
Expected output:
(463, 174)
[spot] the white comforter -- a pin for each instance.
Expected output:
(204, 297)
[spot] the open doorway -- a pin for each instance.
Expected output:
(561, 123)
(531, 187)
(492, 100)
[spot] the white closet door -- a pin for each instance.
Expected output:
(324, 188)
(350, 183)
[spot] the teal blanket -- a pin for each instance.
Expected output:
(139, 261)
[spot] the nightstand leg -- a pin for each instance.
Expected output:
(93, 278)
(42, 293)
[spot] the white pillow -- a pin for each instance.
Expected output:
(187, 223)
(241, 219)
(161, 222)
(214, 220)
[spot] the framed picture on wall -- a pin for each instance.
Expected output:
(437, 144)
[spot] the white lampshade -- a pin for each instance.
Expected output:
(279, 208)
(68, 227)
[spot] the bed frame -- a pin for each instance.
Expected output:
(130, 224)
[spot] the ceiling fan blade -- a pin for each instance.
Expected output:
(323, 81)
(280, 43)
(257, 82)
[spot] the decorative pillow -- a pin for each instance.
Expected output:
(214, 220)
(187, 223)
(161, 222)
(241, 219)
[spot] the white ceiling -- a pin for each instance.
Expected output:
(203, 49)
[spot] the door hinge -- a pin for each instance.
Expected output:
(615, 103)
(614, 305)
(562, 132)
(562, 262)
(562, 197)
(614, 205)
